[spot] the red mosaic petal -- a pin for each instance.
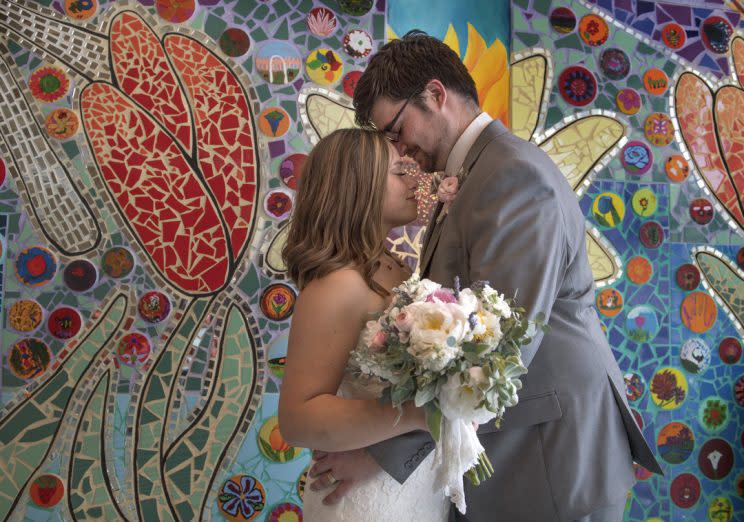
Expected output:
(142, 72)
(737, 52)
(694, 101)
(223, 120)
(157, 191)
(730, 119)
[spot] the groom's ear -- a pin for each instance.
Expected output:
(437, 93)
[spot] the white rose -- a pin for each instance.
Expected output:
(460, 401)
(425, 288)
(436, 334)
(468, 301)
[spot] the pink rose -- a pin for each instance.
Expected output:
(442, 295)
(404, 321)
(447, 189)
(378, 341)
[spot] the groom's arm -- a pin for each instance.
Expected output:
(401, 455)
(515, 237)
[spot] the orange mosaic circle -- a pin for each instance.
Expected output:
(593, 30)
(677, 168)
(655, 81)
(62, 123)
(698, 312)
(639, 270)
(609, 302)
(81, 9)
(273, 122)
(25, 315)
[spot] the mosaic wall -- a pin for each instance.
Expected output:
(149, 154)
(666, 77)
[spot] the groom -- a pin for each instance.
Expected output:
(566, 451)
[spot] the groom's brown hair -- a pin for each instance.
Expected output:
(402, 68)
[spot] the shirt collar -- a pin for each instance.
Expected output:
(465, 142)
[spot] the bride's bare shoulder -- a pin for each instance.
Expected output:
(344, 285)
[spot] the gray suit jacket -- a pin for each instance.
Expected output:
(567, 448)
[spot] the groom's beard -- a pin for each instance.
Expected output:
(424, 160)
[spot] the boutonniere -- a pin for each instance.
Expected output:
(446, 187)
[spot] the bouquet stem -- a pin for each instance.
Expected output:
(481, 471)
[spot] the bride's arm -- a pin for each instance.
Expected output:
(328, 317)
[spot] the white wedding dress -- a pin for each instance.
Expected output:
(381, 498)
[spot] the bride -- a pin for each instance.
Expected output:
(353, 191)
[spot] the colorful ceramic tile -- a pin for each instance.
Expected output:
(273, 122)
(355, 7)
(278, 204)
(593, 30)
(688, 277)
(81, 9)
(577, 85)
(154, 306)
(634, 386)
(716, 459)
(636, 157)
(25, 315)
(609, 302)
(272, 444)
(713, 414)
(685, 490)
(277, 301)
(673, 35)
(655, 81)
(658, 129)
(721, 509)
(62, 123)
(175, 11)
(668, 388)
(117, 262)
(64, 322)
(644, 202)
(134, 349)
(701, 211)
(716, 34)
(651, 234)
(278, 62)
(324, 66)
(47, 490)
(628, 101)
(349, 82)
(29, 358)
(563, 20)
(242, 498)
(677, 168)
(614, 63)
(675, 442)
(234, 42)
(730, 350)
(695, 355)
(608, 209)
(80, 275)
(291, 168)
(49, 84)
(322, 22)
(639, 270)
(642, 324)
(698, 312)
(357, 43)
(35, 266)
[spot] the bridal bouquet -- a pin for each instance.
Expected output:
(456, 352)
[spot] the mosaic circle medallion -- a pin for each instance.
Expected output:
(668, 388)
(685, 490)
(721, 510)
(628, 101)
(673, 35)
(278, 62)
(80, 275)
(62, 123)
(291, 168)
(242, 498)
(285, 512)
(701, 211)
(634, 386)
(636, 157)
(278, 204)
(675, 442)
(322, 22)
(637, 417)
(277, 301)
(25, 315)
(644, 202)
(357, 43)
(64, 322)
(577, 85)
(642, 324)
(349, 82)
(175, 11)
(272, 445)
(47, 490)
(639, 270)
(659, 129)
(688, 277)
(739, 391)
(302, 482)
(3, 177)
(235, 42)
(81, 9)
(278, 355)
(677, 168)
(730, 350)
(698, 312)
(133, 349)
(117, 262)
(608, 209)
(695, 355)
(609, 302)
(35, 266)
(614, 63)
(29, 358)
(651, 234)
(713, 414)
(716, 458)
(154, 306)
(655, 81)
(563, 20)
(49, 84)
(593, 30)
(740, 258)
(716, 33)
(324, 67)
(273, 122)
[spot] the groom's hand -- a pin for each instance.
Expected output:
(346, 468)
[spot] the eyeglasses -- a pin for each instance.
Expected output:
(388, 130)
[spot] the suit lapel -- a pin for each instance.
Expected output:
(430, 240)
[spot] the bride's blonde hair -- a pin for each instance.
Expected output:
(337, 216)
